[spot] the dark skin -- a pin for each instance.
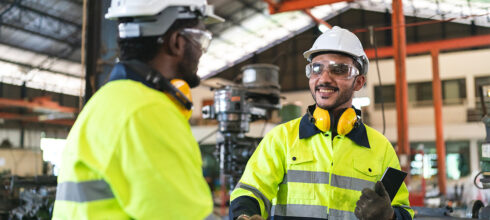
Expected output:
(172, 59)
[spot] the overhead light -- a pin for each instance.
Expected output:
(360, 102)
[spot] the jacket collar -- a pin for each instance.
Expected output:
(307, 128)
(134, 70)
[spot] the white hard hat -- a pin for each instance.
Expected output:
(340, 40)
(154, 17)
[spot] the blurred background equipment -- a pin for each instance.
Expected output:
(485, 148)
(235, 106)
(477, 209)
(27, 197)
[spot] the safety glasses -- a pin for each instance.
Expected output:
(341, 71)
(200, 37)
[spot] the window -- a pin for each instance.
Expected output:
(420, 93)
(480, 81)
(385, 93)
(453, 91)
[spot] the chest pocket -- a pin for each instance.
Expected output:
(367, 171)
(300, 174)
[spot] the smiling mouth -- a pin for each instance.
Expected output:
(326, 90)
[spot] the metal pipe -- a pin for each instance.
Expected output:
(293, 5)
(425, 47)
(399, 46)
(440, 146)
(317, 20)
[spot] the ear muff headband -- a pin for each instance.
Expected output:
(346, 122)
(177, 90)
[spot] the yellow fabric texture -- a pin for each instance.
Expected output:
(135, 139)
(281, 151)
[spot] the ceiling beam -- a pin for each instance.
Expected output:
(73, 45)
(260, 11)
(76, 2)
(38, 68)
(42, 13)
(8, 9)
(235, 17)
(35, 119)
(293, 5)
(42, 52)
(38, 104)
(426, 47)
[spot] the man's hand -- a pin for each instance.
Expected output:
(374, 205)
(246, 217)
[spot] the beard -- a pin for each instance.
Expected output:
(343, 97)
(188, 67)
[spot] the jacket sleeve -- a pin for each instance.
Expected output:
(400, 203)
(156, 171)
(261, 178)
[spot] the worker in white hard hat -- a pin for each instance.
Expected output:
(328, 163)
(131, 153)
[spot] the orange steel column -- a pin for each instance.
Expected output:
(399, 46)
(440, 146)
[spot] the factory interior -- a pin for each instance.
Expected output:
(427, 90)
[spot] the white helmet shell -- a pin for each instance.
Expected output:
(154, 17)
(340, 40)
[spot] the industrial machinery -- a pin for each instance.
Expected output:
(27, 197)
(477, 207)
(485, 148)
(235, 106)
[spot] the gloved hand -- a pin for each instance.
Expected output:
(245, 217)
(374, 205)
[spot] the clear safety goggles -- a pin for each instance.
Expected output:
(200, 37)
(335, 70)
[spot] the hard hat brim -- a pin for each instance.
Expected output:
(308, 53)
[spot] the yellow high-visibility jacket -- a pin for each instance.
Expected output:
(131, 155)
(299, 172)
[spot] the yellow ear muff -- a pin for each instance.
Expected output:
(322, 119)
(183, 87)
(347, 121)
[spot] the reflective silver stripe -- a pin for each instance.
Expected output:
(84, 191)
(296, 210)
(304, 176)
(258, 194)
(341, 215)
(352, 183)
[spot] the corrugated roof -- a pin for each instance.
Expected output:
(51, 31)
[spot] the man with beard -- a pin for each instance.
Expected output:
(131, 153)
(328, 163)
